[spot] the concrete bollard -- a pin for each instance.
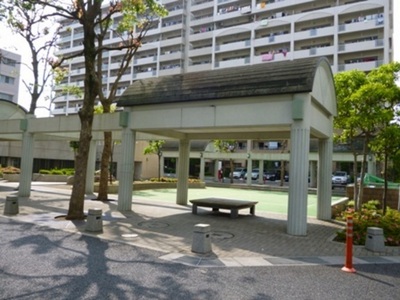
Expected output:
(375, 240)
(11, 207)
(201, 238)
(94, 220)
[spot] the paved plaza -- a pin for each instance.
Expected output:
(157, 223)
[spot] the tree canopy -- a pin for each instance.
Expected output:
(366, 109)
(93, 16)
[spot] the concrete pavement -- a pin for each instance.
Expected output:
(259, 240)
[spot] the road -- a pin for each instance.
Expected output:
(43, 263)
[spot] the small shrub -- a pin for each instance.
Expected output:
(371, 215)
(44, 171)
(171, 179)
(11, 170)
(68, 171)
(56, 172)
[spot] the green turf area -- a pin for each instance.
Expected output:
(268, 201)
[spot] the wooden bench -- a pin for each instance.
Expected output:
(218, 203)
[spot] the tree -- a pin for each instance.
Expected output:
(361, 110)
(91, 15)
(227, 146)
(346, 122)
(155, 147)
(32, 22)
(130, 41)
(385, 144)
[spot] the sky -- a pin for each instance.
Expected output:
(14, 43)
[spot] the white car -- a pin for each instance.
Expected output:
(340, 178)
(239, 173)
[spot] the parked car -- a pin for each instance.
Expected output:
(278, 175)
(239, 173)
(254, 174)
(270, 175)
(340, 178)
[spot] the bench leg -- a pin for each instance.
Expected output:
(194, 209)
(253, 210)
(234, 212)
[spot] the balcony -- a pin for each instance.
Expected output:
(233, 46)
(313, 33)
(143, 75)
(170, 56)
(268, 40)
(149, 46)
(201, 21)
(361, 46)
(322, 51)
(200, 67)
(232, 63)
(200, 51)
(360, 26)
(171, 42)
(271, 58)
(362, 66)
(200, 5)
(172, 71)
(202, 35)
(124, 78)
(173, 27)
(145, 60)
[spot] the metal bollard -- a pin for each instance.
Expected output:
(201, 238)
(94, 220)
(11, 207)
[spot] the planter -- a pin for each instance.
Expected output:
(37, 177)
(49, 177)
(138, 186)
(11, 177)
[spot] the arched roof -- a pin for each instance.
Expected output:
(11, 110)
(286, 77)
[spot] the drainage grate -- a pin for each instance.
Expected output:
(222, 235)
(152, 224)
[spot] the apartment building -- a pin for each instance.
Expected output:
(203, 35)
(10, 64)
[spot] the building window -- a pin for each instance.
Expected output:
(8, 62)
(7, 79)
(5, 96)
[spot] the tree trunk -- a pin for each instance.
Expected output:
(282, 179)
(104, 167)
(360, 197)
(356, 187)
(231, 167)
(385, 177)
(91, 86)
(75, 211)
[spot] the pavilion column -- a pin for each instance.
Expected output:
(249, 168)
(299, 164)
(126, 165)
(313, 174)
(89, 188)
(216, 169)
(324, 191)
(183, 172)
(162, 166)
(202, 167)
(25, 182)
(261, 173)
